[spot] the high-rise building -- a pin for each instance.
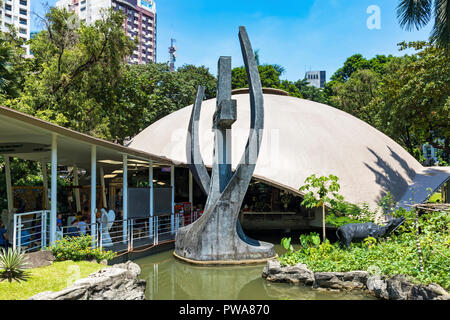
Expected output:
(316, 78)
(16, 13)
(140, 21)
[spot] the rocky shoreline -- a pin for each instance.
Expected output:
(382, 287)
(119, 282)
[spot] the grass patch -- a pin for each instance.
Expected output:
(55, 277)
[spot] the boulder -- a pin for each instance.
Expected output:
(377, 286)
(119, 282)
(38, 259)
(429, 292)
(341, 280)
(398, 288)
(273, 271)
(273, 266)
(394, 288)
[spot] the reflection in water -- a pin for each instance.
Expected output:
(171, 279)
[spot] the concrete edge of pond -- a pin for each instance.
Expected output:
(397, 287)
(224, 262)
(142, 252)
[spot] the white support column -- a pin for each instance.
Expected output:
(172, 185)
(77, 190)
(93, 193)
(125, 197)
(45, 184)
(9, 195)
(53, 201)
(150, 183)
(102, 182)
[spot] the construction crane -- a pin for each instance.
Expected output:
(173, 54)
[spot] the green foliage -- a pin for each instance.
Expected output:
(308, 241)
(75, 69)
(12, 263)
(355, 95)
(343, 212)
(270, 77)
(414, 99)
(388, 203)
(286, 243)
(147, 93)
(370, 242)
(357, 62)
(435, 198)
(54, 277)
(310, 92)
(417, 14)
(395, 255)
(79, 248)
(24, 173)
(320, 190)
(406, 97)
(12, 63)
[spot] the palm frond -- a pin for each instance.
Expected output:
(414, 13)
(440, 33)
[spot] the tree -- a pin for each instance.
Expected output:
(414, 98)
(12, 63)
(358, 62)
(195, 76)
(356, 94)
(75, 70)
(147, 93)
(320, 191)
(310, 92)
(418, 13)
(270, 77)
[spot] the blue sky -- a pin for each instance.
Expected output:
(296, 34)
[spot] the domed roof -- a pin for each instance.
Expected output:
(300, 138)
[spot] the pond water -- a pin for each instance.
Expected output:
(171, 279)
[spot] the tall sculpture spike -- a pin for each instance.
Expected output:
(217, 236)
(196, 164)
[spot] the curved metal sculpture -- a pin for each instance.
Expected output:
(217, 236)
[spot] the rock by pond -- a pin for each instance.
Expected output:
(119, 282)
(382, 287)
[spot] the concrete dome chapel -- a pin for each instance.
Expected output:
(301, 138)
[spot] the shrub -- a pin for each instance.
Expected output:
(79, 248)
(12, 263)
(396, 254)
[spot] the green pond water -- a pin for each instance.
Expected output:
(171, 279)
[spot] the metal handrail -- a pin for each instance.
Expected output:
(124, 232)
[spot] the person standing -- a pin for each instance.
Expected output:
(83, 226)
(3, 236)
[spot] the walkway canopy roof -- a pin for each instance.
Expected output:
(30, 138)
(300, 138)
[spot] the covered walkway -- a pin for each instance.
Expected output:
(29, 138)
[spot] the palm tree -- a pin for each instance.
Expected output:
(417, 13)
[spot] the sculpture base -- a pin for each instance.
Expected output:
(224, 262)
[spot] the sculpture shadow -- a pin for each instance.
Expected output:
(389, 178)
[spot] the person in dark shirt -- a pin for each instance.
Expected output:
(73, 230)
(3, 236)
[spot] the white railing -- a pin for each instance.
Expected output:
(32, 230)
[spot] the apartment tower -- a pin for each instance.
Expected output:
(16, 13)
(140, 21)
